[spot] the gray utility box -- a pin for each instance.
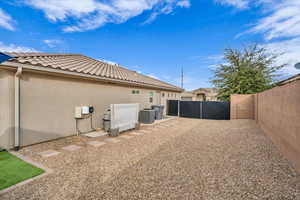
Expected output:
(106, 125)
(147, 116)
(159, 112)
(106, 121)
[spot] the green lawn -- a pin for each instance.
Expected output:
(14, 170)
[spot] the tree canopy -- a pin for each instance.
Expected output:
(246, 71)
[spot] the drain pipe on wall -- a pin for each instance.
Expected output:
(17, 108)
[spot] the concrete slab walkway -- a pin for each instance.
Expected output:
(48, 153)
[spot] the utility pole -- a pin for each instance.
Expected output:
(182, 77)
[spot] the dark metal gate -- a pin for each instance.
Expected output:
(199, 109)
(216, 110)
(190, 109)
(172, 108)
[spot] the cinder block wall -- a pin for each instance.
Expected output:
(242, 106)
(277, 111)
(278, 114)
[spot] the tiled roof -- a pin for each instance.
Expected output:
(205, 90)
(187, 94)
(289, 80)
(86, 65)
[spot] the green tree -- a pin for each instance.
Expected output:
(246, 71)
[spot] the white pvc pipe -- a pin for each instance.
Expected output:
(17, 107)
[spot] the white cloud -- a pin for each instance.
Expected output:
(52, 42)
(15, 48)
(281, 29)
(240, 4)
(6, 21)
(59, 10)
(152, 76)
(209, 61)
(91, 14)
(283, 20)
(184, 3)
(218, 58)
(290, 53)
(245, 4)
(167, 8)
(279, 26)
(108, 61)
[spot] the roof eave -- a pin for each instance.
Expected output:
(28, 67)
(288, 80)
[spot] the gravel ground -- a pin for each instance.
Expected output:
(192, 159)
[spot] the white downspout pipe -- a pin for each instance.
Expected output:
(17, 108)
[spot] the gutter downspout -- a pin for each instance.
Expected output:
(17, 108)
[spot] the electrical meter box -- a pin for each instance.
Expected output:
(85, 110)
(91, 109)
(78, 113)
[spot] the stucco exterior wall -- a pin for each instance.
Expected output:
(166, 95)
(6, 109)
(278, 114)
(202, 94)
(277, 111)
(189, 96)
(242, 106)
(48, 104)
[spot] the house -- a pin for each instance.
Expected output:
(201, 94)
(188, 96)
(206, 94)
(39, 93)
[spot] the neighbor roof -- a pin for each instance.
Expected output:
(88, 66)
(206, 90)
(187, 94)
(289, 80)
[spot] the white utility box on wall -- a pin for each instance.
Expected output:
(78, 113)
(85, 110)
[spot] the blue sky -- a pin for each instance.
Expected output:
(154, 37)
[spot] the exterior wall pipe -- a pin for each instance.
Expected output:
(178, 114)
(17, 108)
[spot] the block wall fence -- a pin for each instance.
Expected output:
(277, 112)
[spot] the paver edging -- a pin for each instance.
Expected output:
(159, 122)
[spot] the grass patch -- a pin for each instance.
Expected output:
(14, 170)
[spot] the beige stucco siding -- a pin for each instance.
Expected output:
(165, 96)
(6, 109)
(48, 103)
(242, 106)
(278, 114)
(277, 111)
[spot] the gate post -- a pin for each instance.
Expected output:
(201, 110)
(167, 107)
(178, 108)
